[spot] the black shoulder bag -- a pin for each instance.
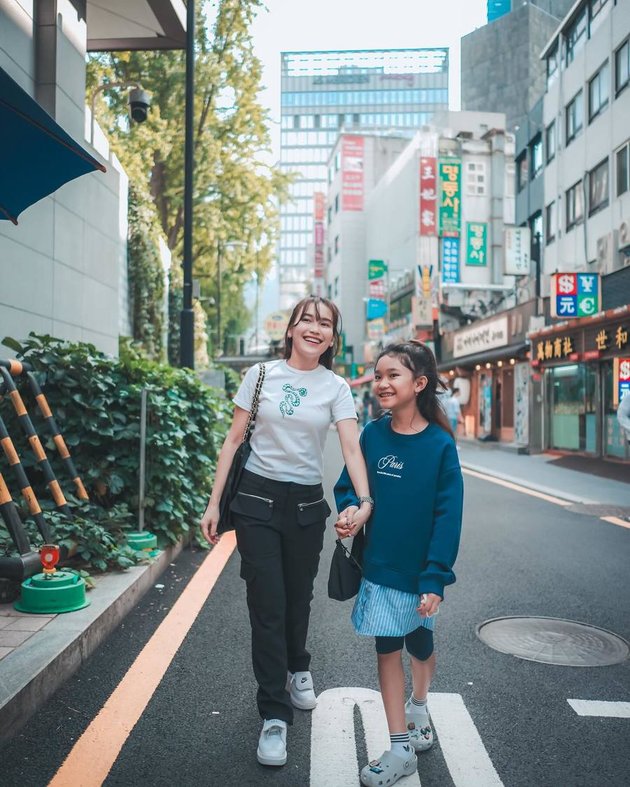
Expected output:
(345, 574)
(238, 463)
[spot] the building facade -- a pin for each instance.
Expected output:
(500, 65)
(325, 93)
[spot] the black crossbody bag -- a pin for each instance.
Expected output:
(238, 462)
(345, 574)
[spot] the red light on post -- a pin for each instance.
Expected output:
(49, 555)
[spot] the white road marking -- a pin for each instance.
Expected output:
(333, 743)
(461, 745)
(612, 710)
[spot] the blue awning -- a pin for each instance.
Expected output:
(36, 155)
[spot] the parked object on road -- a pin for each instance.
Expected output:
(412, 541)
(279, 510)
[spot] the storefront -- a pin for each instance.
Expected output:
(577, 362)
(493, 355)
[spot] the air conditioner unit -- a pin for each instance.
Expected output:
(607, 252)
(623, 236)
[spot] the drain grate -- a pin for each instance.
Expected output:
(556, 641)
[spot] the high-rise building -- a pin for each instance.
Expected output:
(325, 93)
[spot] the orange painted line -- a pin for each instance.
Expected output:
(96, 751)
(18, 404)
(37, 448)
(43, 405)
(517, 488)
(614, 520)
(9, 451)
(61, 446)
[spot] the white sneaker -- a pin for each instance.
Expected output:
(301, 690)
(272, 744)
(419, 727)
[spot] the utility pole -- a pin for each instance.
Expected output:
(187, 320)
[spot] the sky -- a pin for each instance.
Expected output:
(296, 25)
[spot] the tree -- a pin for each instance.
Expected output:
(236, 190)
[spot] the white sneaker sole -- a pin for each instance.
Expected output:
(303, 704)
(277, 761)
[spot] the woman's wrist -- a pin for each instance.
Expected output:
(366, 500)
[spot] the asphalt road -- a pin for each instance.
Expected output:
(513, 725)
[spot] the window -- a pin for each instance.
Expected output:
(623, 169)
(575, 36)
(336, 245)
(296, 121)
(356, 119)
(521, 172)
(550, 222)
(574, 117)
(598, 92)
(598, 187)
(596, 7)
(622, 66)
(550, 141)
(475, 178)
(575, 205)
(329, 214)
(552, 64)
(337, 204)
(536, 225)
(535, 157)
(317, 121)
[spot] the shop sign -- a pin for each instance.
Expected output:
(555, 348)
(376, 308)
(275, 325)
(622, 378)
(450, 197)
(450, 260)
(489, 336)
(376, 330)
(422, 303)
(575, 294)
(352, 173)
(428, 196)
(517, 245)
(376, 269)
(476, 243)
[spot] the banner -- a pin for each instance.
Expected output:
(476, 243)
(575, 294)
(422, 302)
(517, 245)
(450, 260)
(428, 196)
(376, 269)
(351, 173)
(450, 197)
(376, 309)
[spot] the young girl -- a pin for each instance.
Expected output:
(412, 542)
(280, 511)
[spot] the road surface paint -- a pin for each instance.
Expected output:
(333, 743)
(611, 710)
(94, 754)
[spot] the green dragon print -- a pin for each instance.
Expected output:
(291, 399)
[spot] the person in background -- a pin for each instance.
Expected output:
(454, 411)
(412, 539)
(367, 405)
(280, 511)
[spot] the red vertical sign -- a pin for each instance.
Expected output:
(351, 173)
(428, 196)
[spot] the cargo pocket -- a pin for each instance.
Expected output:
(252, 506)
(312, 513)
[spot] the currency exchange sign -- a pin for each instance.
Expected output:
(574, 295)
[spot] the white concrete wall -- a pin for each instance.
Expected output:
(576, 249)
(63, 268)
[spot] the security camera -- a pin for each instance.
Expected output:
(139, 103)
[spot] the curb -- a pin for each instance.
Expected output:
(32, 674)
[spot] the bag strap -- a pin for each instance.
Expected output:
(349, 554)
(252, 413)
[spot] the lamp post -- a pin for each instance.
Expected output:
(187, 317)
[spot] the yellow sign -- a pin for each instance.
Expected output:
(276, 324)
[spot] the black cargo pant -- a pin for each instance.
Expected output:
(280, 532)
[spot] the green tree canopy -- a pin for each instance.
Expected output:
(237, 190)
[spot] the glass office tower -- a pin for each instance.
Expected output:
(323, 93)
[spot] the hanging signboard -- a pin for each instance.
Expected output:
(428, 196)
(575, 295)
(450, 260)
(621, 371)
(517, 246)
(476, 243)
(351, 173)
(450, 171)
(487, 336)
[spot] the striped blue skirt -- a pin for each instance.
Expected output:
(380, 611)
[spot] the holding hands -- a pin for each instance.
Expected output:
(352, 519)
(429, 603)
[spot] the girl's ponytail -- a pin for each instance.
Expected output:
(419, 359)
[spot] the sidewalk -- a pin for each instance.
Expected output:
(38, 654)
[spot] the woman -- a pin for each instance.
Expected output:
(280, 511)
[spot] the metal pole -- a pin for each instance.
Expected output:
(537, 249)
(187, 324)
(143, 456)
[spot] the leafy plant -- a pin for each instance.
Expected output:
(96, 403)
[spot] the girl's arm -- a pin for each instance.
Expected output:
(233, 439)
(355, 471)
(447, 525)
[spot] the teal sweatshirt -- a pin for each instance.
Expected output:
(417, 486)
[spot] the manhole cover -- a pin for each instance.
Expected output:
(554, 641)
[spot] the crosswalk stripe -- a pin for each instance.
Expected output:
(461, 745)
(613, 710)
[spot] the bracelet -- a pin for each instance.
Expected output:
(366, 499)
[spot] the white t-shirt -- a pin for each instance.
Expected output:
(295, 411)
(453, 408)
